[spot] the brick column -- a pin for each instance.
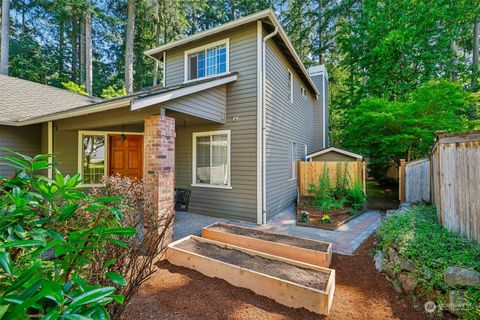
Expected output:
(159, 166)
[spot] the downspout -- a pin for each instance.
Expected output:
(264, 126)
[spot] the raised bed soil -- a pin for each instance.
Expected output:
(306, 277)
(273, 237)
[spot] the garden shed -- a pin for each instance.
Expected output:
(333, 154)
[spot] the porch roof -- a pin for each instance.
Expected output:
(142, 99)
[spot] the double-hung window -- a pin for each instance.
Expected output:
(211, 159)
(206, 61)
(92, 157)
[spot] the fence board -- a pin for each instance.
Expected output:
(455, 177)
(310, 172)
(417, 181)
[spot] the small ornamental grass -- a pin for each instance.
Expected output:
(433, 249)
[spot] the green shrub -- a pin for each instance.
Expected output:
(329, 203)
(355, 195)
(327, 196)
(433, 249)
(49, 234)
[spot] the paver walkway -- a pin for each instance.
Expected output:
(346, 239)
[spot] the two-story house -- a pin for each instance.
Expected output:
(235, 110)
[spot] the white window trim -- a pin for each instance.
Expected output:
(293, 171)
(226, 42)
(194, 159)
(81, 133)
(304, 92)
(290, 75)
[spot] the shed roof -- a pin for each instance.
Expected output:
(334, 149)
(22, 99)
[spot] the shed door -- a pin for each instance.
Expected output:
(126, 155)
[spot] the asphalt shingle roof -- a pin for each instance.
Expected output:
(22, 99)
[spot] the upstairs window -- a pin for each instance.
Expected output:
(206, 61)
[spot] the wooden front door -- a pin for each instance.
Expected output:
(126, 155)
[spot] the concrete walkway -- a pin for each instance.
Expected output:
(346, 239)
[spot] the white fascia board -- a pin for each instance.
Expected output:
(163, 97)
(347, 153)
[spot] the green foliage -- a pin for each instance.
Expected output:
(328, 196)
(355, 195)
(110, 92)
(74, 87)
(432, 248)
(386, 131)
(49, 234)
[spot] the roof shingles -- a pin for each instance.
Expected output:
(22, 99)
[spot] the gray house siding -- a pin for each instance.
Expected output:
(208, 104)
(286, 122)
(26, 140)
(240, 201)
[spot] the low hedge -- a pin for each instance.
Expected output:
(433, 249)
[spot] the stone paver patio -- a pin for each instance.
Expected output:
(346, 239)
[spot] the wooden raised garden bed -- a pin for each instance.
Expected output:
(315, 252)
(291, 283)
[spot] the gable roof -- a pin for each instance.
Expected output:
(270, 19)
(141, 99)
(22, 99)
(334, 149)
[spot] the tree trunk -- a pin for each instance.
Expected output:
(4, 46)
(82, 52)
(61, 47)
(156, 62)
(454, 61)
(74, 44)
(475, 54)
(319, 31)
(88, 53)
(129, 47)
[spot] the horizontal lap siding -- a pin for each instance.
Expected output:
(208, 104)
(286, 122)
(240, 201)
(25, 140)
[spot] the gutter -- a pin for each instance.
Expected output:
(263, 123)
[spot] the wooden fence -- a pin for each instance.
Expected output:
(309, 172)
(416, 183)
(454, 181)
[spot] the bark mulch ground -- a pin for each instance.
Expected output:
(176, 293)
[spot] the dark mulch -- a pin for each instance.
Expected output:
(176, 293)
(382, 197)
